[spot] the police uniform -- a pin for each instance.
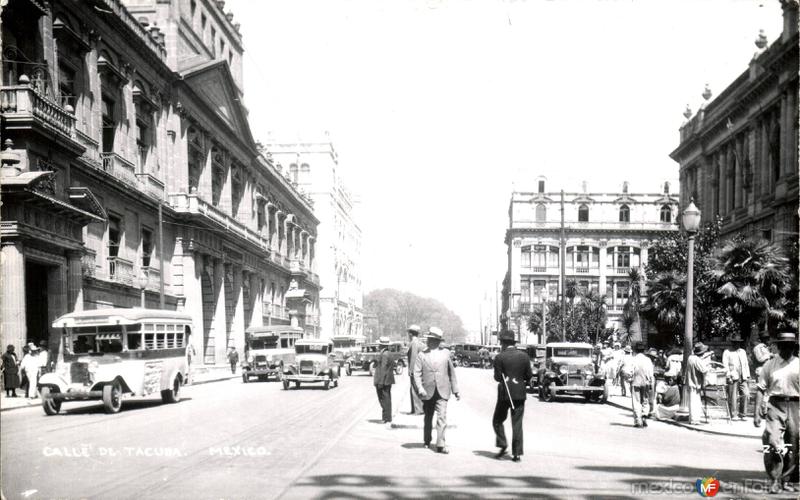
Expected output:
(780, 384)
(512, 371)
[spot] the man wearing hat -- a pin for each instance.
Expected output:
(737, 375)
(780, 384)
(642, 386)
(415, 345)
(435, 378)
(383, 379)
(512, 371)
(626, 370)
(696, 370)
(761, 353)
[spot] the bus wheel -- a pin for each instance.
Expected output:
(327, 384)
(50, 405)
(112, 397)
(285, 385)
(245, 378)
(172, 395)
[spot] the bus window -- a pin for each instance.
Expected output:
(134, 341)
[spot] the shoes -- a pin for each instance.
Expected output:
(775, 487)
(789, 487)
(501, 453)
(637, 425)
(426, 445)
(442, 449)
(644, 423)
(516, 458)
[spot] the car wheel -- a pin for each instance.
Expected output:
(50, 405)
(336, 382)
(285, 385)
(547, 394)
(348, 370)
(245, 378)
(465, 362)
(112, 397)
(327, 384)
(172, 395)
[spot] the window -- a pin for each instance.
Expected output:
(623, 257)
(66, 85)
(541, 212)
(203, 23)
(142, 143)
(221, 46)
(583, 213)
(147, 246)
(539, 258)
(666, 214)
(213, 39)
(541, 186)
(109, 124)
(624, 213)
(582, 255)
(526, 257)
(114, 235)
(525, 291)
(293, 172)
(622, 292)
(766, 234)
(192, 7)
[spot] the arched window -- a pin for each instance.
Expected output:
(293, 172)
(541, 213)
(583, 213)
(666, 214)
(624, 213)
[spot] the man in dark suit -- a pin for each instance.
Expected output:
(415, 346)
(512, 371)
(383, 380)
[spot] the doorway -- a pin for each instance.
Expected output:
(36, 310)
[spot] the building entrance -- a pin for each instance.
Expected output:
(36, 310)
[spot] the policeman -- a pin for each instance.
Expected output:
(780, 383)
(512, 371)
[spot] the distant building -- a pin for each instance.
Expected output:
(313, 166)
(606, 234)
(738, 153)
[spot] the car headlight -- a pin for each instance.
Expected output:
(563, 369)
(269, 358)
(250, 358)
(588, 370)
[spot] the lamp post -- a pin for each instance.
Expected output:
(543, 295)
(142, 282)
(691, 223)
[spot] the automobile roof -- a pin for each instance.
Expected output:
(273, 330)
(313, 342)
(583, 345)
(119, 316)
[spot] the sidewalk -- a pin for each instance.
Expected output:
(719, 426)
(202, 374)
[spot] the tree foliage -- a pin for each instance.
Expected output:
(396, 310)
(584, 318)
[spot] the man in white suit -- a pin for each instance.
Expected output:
(435, 378)
(737, 377)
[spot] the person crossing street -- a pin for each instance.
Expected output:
(435, 377)
(512, 371)
(383, 380)
(415, 345)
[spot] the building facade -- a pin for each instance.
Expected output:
(130, 175)
(606, 234)
(738, 152)
(313, 166)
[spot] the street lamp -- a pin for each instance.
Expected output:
(691, 223)
(142, 282)
(543, 295)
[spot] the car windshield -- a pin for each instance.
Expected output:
(370, 348)
(100, 340)
(570, 352)
(311, 349)
(264, 343)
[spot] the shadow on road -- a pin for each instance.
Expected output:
(660, 474)
(412, 446)
(127, 406)
(485, 454)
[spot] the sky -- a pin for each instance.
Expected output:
(440, 108)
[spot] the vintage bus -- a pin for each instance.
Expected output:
(345, 349)
(267, 349)
(108, 353)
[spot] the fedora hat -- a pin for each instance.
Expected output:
(413, 329)
(435, 333)
(786, 337)
(700, 348)
(384, 341)
(506, 335)
(627, 348)
(652, 352)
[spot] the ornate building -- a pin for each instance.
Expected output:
(738, 153)
(314, 167)
(606, 234)
(130, 175)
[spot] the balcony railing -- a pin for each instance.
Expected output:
(153, 278)
(120, 168)
(22, 102)
(120, 270)
(275, 311)
(619, 270)
(89, 264)
(151, 185)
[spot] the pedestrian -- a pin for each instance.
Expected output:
(29, 366)
(668, 398)
(415, 345)
(10, 369)
(737, 378)
(761, 353)
(233, 359)
(435, 377)
(512, 371)
(616, 361)
(626, 370)
(696, 370)
(652, 353)
(642, 384)
(44, 358)
(780, 384)
(383, 378)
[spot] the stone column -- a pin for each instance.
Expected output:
(193, 299)
(12, 291)
(257, 298)
(238, 323)
(74, 282)
(218, 321)
(603, 256)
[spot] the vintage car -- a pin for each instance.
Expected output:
(267, 349)
(345, 351)
(313, 363)
(568, 369)
(466, 354)
(365, 360)
(536, 352)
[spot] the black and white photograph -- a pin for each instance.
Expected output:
(399, 249)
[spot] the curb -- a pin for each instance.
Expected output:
(681, 424)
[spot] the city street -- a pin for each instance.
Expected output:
(234, 440)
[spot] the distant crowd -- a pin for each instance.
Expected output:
(24, 373)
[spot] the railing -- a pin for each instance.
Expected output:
(277, 311)
(524, 308)
(120, 168)
(120, 270)
(23, 100)
(151, 185)
(539, 269)
(153, 278)
(573, 225)
(88, 264)
(619, 270)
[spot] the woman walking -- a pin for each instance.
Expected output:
(10, 372)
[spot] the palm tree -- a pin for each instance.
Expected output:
(752, 280)
(571, 291)
(633, 304)
(593, 310)
(666, 303)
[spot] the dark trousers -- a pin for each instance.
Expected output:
(416, 402)
(233, 366)
(385, 399)
(499, 418)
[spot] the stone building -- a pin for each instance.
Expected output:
(738, 152)
(130, 175)
(606, 234)
(314, 167)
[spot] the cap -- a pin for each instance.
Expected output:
(435, 333)
(627, 348)
(786, 337)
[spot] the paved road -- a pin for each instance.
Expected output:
(234, 440)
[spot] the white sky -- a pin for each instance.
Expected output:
(437, 108)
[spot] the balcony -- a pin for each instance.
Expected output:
(24, 108)
(619, 271)
(120, 168)
(153, 278)
(275, 311)
(150, 185)
(89, 264)
(120, 271)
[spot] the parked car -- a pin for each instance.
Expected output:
(314, 363)
(568, 369)
(536, 352)
(365, 360)
(267, 349)
(467, 354)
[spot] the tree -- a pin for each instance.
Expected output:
(584, 319)
(665, 305)
(395, 310)
(751, 279)
(630, 311)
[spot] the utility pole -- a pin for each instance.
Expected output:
(496, 308)
(563, 257)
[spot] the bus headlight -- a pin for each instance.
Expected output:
(588, 370)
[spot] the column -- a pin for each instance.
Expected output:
(603, 256)
(204, 186)
(737, 174)
(193, 299)
(236, 336)
(12, 292)
(219, 328)
(74, 281)
(257, 298)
